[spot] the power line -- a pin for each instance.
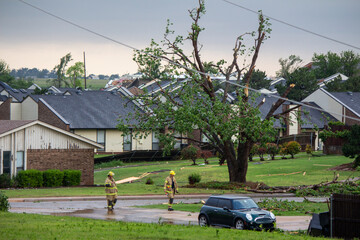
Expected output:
(293, 26)
(180, 65)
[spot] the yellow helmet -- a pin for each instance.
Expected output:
(111, 173)
(172, 173)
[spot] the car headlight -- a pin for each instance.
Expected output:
(272, 215)
(249, 217)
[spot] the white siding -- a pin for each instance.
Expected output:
(38, 137)
(29, 109)
(294, 124)
(326, 102)
(15, 111)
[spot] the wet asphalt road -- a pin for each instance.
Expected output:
(125, 210)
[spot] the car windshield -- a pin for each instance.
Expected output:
(244, 204)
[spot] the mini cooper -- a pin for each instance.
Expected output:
(235, 211)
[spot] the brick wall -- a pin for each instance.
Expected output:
(5, 110)
(62, 159)
(349, 121)
(47, 116)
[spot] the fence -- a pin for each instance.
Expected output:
(345, 216)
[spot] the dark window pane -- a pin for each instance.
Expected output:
(212, 202)
(224, 203)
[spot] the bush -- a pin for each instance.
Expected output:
(190, 152)
(272, 149)
(149, 181)
(4, 204)
(30, 178)
(71, 177)
(261, 152)
(308, 149)
(194, 178)
(5, 180)
(53, 178)
(293, 148)
(205, 154)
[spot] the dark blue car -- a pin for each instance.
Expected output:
(235, 211)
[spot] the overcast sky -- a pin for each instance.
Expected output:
(30, 38)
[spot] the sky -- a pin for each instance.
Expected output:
(30, 38)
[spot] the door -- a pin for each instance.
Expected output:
(6, 162)
(225, 217)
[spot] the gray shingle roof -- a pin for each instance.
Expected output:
(91, 109)
(314, 118)
(7, 125)
(350, 99)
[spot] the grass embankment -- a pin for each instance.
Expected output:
(93, 84)
(289, 172)
(32, 226)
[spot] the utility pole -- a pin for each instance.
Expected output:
(84, 70)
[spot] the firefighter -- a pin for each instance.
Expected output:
(111, 191)
(170, 188)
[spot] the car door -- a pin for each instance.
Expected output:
(212, 209)
(225, 216)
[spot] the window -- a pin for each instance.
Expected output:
(244, 204)
(100, 138)
(6, 162)
(204, 138)
(19, 161)
(212, 202)
(155, 141)
(224, 203)
(177, 141)
(127, 141)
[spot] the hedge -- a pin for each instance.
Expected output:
(5, 180)
(53, 178)
(71, 177)
(30, 178)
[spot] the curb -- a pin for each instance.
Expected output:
(137, 197)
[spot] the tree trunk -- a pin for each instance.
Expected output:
(237, 166)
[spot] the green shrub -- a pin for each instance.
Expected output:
(190, 152)
(194, 178)
(4, 204)
(308, 149)
(253, 151)
(149, 181)
(53, 178)
(5, 180)
(71, 177)
(293, 148)
(283, 150)
(272, 149)
(30, 178)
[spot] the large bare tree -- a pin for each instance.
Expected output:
(231, 127)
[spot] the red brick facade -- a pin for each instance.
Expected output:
(5, 109)
(349, 121)
(47, 116)
(62, 159)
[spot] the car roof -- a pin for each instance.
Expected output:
(229, 196)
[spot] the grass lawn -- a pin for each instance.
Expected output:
(32, 226)
(289, 172)
(296, 209)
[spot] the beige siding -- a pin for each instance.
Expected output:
(15, 111)
(5, 143)
(142, 144)
(88, 133)
(29, 109)
(38, 137)
(294, 124)
(114, 141)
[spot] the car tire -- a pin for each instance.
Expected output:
(203, 221)
(239, 224)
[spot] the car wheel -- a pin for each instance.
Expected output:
(203, 222)
(239, 224)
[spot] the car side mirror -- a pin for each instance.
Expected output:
(226, 209)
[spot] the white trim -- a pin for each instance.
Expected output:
(346, 106)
